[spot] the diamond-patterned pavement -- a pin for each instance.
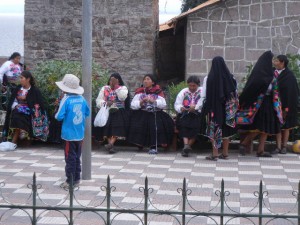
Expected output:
(165, 171)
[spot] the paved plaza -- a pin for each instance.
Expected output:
(165, 171)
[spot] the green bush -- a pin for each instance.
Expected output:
(294, 65)
(173, 90)
(48, 72)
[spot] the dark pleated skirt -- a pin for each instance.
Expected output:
(291, 121)
(265, 119)
(20, 121)
(227, 131)
(146, 126)
(189, 125)
(117, 125)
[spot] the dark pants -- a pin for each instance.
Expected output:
(72, 158)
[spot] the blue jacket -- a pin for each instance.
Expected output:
(73, 110)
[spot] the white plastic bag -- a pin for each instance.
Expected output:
(102, 116)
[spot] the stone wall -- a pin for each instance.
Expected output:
(241, 33)
(124, 34)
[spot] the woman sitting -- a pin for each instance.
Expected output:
(26, 117)
(149, 125)
(115, 96)
(188, 119)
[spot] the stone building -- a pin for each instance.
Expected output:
(238, 30)
(124, 34)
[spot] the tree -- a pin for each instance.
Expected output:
(189, 4)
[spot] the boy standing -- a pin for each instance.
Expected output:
(73, 110)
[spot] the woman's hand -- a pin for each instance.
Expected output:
(109, 103)
(192, 108)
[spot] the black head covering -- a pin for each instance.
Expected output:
(220, 84)
(259, 79)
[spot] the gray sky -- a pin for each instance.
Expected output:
(167, 8)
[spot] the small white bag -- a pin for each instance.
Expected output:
(102, 116)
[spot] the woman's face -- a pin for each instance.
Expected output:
(16, 60)
(147, 82)
(193, 87)
(25, 82)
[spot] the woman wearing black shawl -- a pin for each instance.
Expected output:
(289, 93)
(220, 107)
(260, 106)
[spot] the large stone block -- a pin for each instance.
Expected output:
(218, 39)
(194, 67)
(263, 32)
(293, 8)
(244, 12)
(294, 25)
(280, 9)
(240, 66)
(244, 31)
(264, 43)
(232, 31)
(219, 27)
(255, 12)
(199, 26)
(235, 42)
(250, 42)
(211, 52)
(196, 52)
(266, 11)
(234, 53)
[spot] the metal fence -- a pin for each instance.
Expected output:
(108, 209)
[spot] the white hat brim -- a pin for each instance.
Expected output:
(64, 88)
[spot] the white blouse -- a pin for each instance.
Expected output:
(121, 92)
(135, 103)
(180, 97)
(12, 71)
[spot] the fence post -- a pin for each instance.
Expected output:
(146, 196)
(222, 198)
(34, 193)
(183, 201)
(108, 195)
(260, 202)
(71, 192)
(298, 203)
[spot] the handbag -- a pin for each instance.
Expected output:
(102, 116)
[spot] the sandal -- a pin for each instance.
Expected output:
(212, 158)
(242, 149)
(222, 156)
(152, 151)
(263, 154)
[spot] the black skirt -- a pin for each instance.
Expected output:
(291, 121)
(117, 125)
(20, 121)
(227, 131)
(145, 127)
(265, 119)
(189, 125)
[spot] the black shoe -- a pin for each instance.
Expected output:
(185, 153)
(242, 149)
(112, 151)
(263, 154)
(283, 150)
(275, 151)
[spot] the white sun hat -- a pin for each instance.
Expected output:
(70, 84)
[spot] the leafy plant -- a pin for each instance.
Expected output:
(48, 72)
(243, 81)
(294, 65)
(173, 90)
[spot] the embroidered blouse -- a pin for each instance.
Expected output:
(185, 98)
(159, 103)
(117, 96)
(12, 71)
(23, 106)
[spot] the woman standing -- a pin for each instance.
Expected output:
(149, 125)
(115, 96)
(188, 120)
(26, 117)
(220, 107)
(260, 107)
